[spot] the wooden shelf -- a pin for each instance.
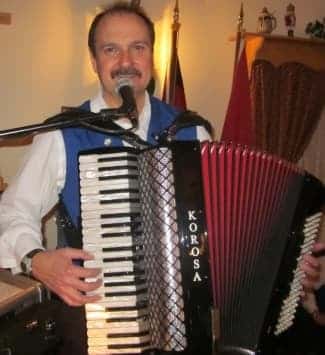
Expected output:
(283, 49)
(275, 37)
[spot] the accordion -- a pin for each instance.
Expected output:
(199, 244)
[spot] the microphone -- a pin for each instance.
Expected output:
(124, 87)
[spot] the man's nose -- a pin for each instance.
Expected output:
(125, 57)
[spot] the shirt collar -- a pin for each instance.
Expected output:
(98, 103)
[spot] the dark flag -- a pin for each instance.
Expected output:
(238, 125)
(173, 91)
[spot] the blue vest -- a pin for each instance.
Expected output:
(81, 139)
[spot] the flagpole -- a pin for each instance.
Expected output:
(175, 32)
(240, 23)
(173, 91)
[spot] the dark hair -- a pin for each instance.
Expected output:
(120, 7)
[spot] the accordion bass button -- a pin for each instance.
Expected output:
(49, 325)
(32, 324)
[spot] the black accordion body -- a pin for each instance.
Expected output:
(199, 246)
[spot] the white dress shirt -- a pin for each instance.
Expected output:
(34, 190)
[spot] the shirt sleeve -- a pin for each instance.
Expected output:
(29, 197)
(202, 134)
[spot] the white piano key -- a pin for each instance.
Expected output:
(117, 327)
(117, 289)
(112, 208)
(120, 314)
(101, 242)
(110, 267)
(99, 339)
(102, 341)
(116, 254)
(102, 350)
(122, 301)
(123, 241)
(95, 185)
(108, 220)
(109, 196)
(91, 215)
(95, 174)
(95, 166)
(118, 279)
(91, 232)
(84, 158)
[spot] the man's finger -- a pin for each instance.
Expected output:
(77, 254)
(75, 298)
(319, 249)
(312, 261)
(84, 272)
(84, 286)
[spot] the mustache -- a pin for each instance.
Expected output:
(125, 71)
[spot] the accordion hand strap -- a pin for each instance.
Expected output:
(184, 119)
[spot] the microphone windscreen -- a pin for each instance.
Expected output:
(121, 82)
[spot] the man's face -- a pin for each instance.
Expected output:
(123, 49)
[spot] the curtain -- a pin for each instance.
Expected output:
(287, 101)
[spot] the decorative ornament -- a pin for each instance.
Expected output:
(266, 21)
(290, 19)
(316, 29)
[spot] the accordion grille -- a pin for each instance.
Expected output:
(161, 250)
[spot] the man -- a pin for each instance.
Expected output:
(121, 45)
(121, 41)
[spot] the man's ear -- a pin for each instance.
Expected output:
(93, 62)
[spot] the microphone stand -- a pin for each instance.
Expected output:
(104, 122)
(73, 117)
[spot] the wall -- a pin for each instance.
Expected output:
(44, 61)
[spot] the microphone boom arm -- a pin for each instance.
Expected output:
(104, 121)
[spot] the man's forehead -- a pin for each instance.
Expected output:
(122, 23)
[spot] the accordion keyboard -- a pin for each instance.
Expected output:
(111, 231)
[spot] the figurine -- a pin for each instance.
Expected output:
(290, 19)
(266, 22)
(316, 29)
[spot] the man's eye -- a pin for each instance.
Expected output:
(139, 47)
(111, 50)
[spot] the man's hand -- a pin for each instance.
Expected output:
(314, 277)
(319, 318)
(58, 272)
(311, 266)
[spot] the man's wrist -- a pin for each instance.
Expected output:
(26, 262)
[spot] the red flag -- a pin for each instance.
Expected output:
(173, 92)
(238, 125)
